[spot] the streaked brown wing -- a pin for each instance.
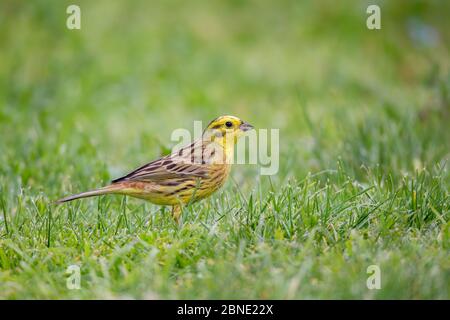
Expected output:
(168, 167)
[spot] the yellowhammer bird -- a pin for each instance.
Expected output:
(187, 175)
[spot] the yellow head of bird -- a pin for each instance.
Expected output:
(225, 130)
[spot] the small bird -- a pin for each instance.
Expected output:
(187, 175)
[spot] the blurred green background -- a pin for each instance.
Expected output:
(80, 107)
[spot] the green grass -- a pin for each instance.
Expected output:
(364, 148)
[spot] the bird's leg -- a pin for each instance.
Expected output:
(176, 213)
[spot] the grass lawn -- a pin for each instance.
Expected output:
(364, 148)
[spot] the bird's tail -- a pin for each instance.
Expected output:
(97, 192)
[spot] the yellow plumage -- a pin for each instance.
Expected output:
(187, 175)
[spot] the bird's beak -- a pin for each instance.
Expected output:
(245, 126)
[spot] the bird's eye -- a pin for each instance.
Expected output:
(228, 124)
